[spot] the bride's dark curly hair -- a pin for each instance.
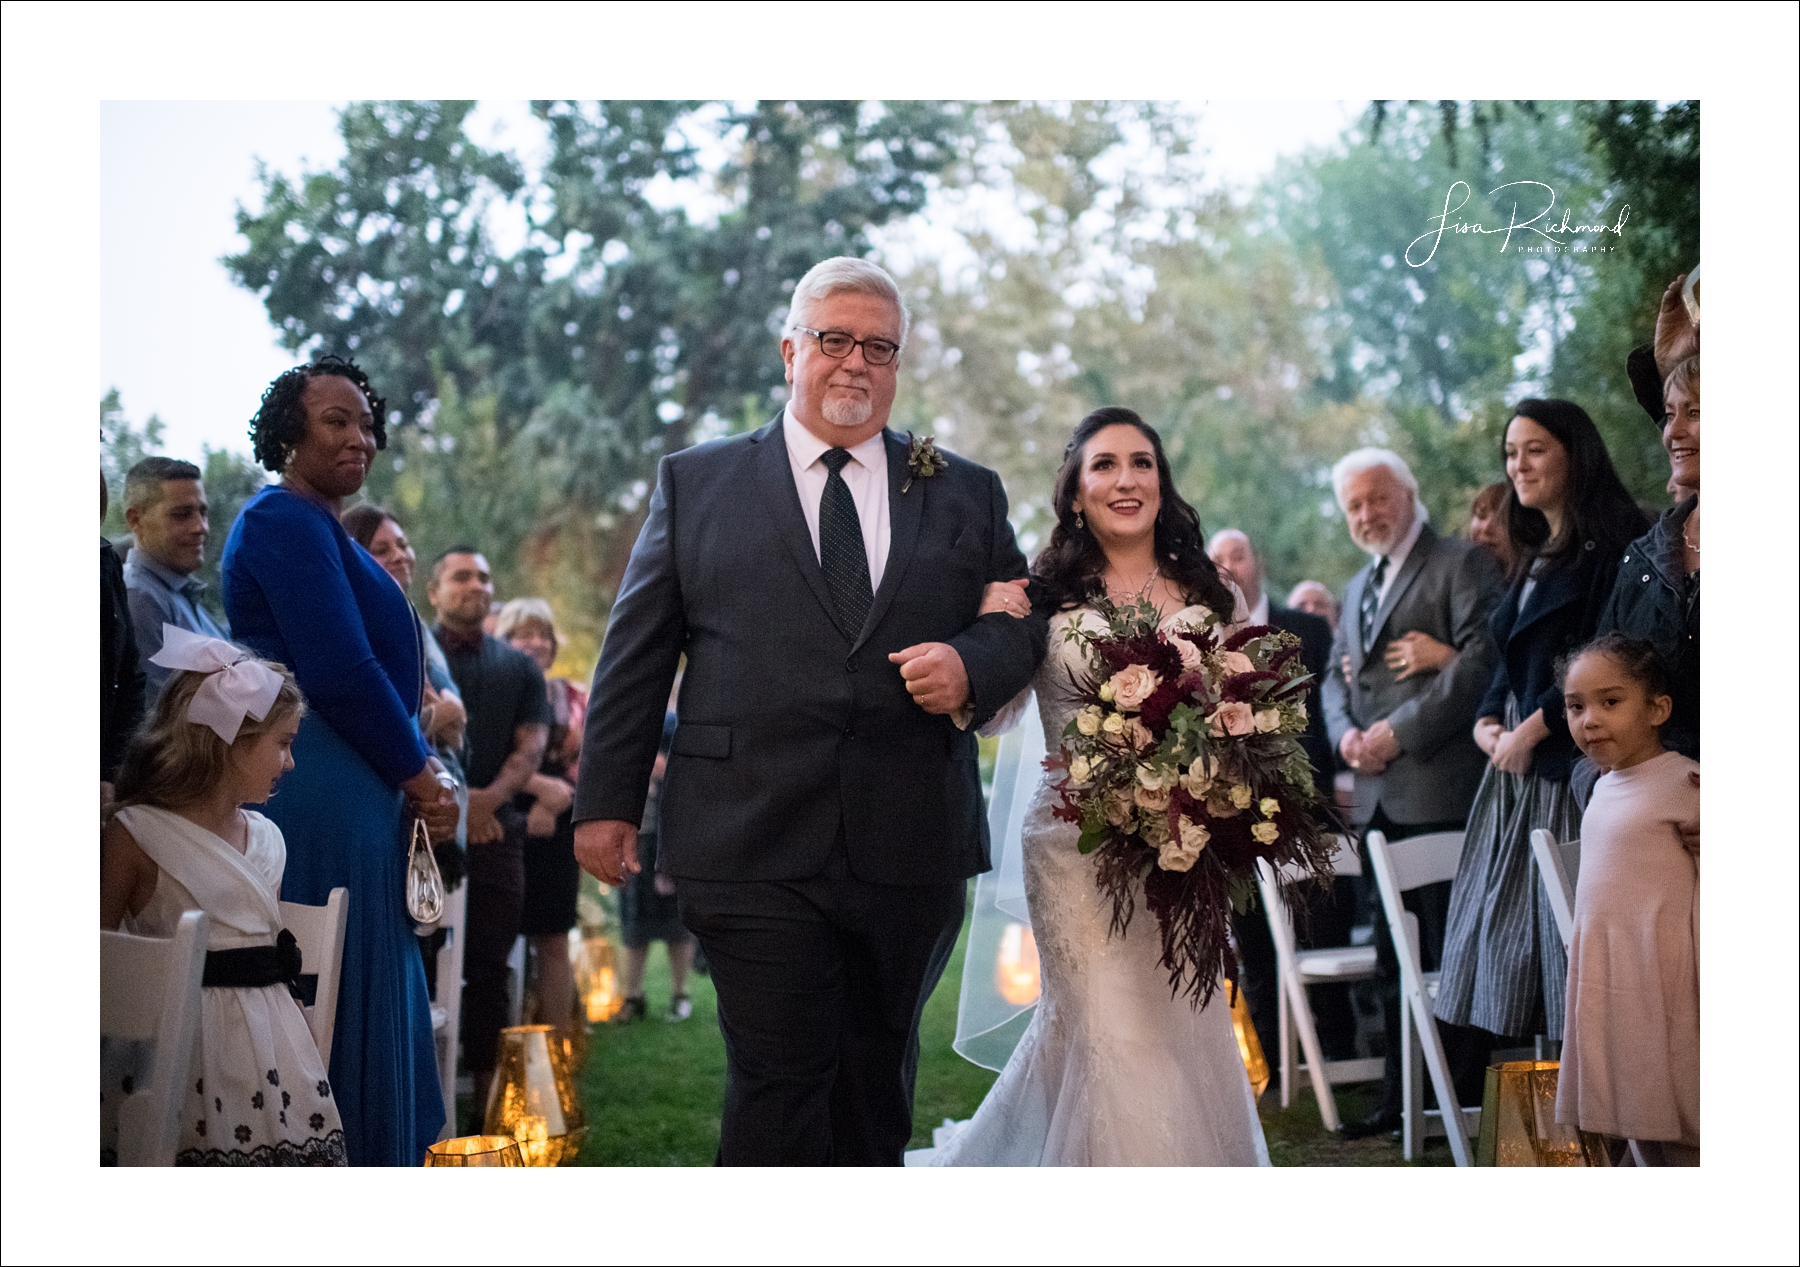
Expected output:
(1070, 567)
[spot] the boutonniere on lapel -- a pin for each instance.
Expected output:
(922, 459)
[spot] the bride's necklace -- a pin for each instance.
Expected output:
(1115, 595)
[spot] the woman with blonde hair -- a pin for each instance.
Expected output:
(552, 876)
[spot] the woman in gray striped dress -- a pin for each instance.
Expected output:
(1568, 517)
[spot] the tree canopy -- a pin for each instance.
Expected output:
(1057, 257)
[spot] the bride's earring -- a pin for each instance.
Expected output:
(1080, 523)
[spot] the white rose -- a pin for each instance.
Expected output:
(1079, 770)
(1113, 723)
(1265, 833)
(1196, 781)
(1240, 795)
(1157, 781)
(1269, 807)
(1106, 690)
(1269, 719)
(1087, 721)
(1179, 853)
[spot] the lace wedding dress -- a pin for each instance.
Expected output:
(1111, 1070)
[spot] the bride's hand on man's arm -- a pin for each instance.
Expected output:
(1005, 596)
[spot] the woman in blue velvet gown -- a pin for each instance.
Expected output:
(299, 591)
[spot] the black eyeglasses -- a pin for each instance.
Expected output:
(836, 344)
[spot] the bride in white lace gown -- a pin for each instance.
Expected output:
(1112, 1070)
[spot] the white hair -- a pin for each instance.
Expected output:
(846, 273)
(1355, 463)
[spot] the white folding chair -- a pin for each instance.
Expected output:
(1295, 970)
(1400, 866)
(319, 930)
(150, 990)
(1557, 863)
(446, 1013)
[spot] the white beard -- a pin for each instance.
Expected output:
(847, 413)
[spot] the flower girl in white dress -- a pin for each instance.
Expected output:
(1114, 1069)
(179, 839)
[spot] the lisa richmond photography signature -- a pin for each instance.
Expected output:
(1530, 193)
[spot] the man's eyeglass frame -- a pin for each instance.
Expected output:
(867, 345)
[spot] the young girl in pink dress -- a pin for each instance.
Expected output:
(1631, 1048)
(179, 839)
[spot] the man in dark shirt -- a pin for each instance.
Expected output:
(509, 725)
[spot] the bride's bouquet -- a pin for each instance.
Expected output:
(1184, 767)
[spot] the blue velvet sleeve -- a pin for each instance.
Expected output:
(290, 552)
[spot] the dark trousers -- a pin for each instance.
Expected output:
(1324, 919)
(821, 983)
(496, 906)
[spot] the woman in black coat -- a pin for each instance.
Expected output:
(1568, 517)
(1657, 594)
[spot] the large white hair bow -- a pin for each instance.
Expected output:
(236, 684)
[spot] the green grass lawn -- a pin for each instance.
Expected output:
(652, 1090)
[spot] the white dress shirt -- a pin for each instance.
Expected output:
(1259, 614)
(865, 473)
(1396, 557)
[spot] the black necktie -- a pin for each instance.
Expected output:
(1371, 602)
(841, 554)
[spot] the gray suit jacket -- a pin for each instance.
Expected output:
(794, 730)
(1446, 588)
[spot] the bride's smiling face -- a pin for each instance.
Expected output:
(1119, 493)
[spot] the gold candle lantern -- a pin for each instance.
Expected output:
(597, 977)
(533, 1098)
(1016, 969)
(475, 1150)
(1256, 1064)
(1518, 1120)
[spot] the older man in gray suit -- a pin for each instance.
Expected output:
(1408, 735)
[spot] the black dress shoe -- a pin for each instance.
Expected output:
(1381, 1122)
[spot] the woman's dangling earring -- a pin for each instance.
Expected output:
(1080, 523)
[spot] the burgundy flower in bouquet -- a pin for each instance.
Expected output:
(1184, 768)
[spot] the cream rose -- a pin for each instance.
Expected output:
(1106, 690)
(1240, 795)
(1196, 781)
(1268, 720)
(1137, 734)
(1154, 799)
(1113, 723)
(1156, 780)
(1088, 720)
(1237, 662)
(1233, 718)
(1269, 806)
(1132, 685)
(1119, 807)
(1179, 853)
(1191, 656)
(1264, 833)
(1079, 770)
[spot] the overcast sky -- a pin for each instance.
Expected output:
(179, 340)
